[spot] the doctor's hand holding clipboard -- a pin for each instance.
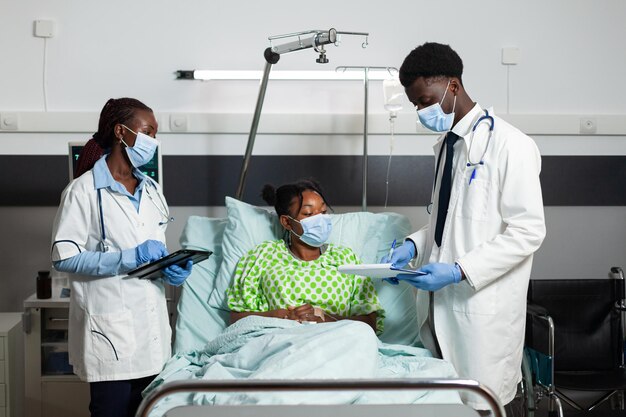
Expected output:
(431, 277)
(399, 257)
(390, 269)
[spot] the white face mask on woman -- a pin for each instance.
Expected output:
(434, 118)
(142, 152)
(315, 229)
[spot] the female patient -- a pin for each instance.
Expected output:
(296, 277)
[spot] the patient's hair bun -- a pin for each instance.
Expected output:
(269, 194)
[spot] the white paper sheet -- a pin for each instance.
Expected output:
(375, 270)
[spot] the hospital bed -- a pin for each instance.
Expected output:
(309, 410)
(203, 315)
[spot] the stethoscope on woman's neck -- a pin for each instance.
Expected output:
(481, 161)
(162, 209)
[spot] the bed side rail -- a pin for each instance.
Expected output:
(467, 385)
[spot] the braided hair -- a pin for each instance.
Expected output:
(90, 153)
(115, 111)
(282, 196)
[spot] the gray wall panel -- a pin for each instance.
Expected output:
(584, 180)
(205, 180)
(32, 180)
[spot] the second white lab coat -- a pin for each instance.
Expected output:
(118, 326)
(493, 227)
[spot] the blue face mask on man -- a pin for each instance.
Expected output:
(434, 118)
(143, 150)
(315, 229)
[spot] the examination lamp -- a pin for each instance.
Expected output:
(315, 39)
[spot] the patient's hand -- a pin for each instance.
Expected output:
(305, 312)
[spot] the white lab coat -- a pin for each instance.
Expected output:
(493, 227)
(118, 326)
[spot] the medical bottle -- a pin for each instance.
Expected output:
(44, 284)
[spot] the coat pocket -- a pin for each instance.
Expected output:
(474, 197)
(112, 336)
(470, 302)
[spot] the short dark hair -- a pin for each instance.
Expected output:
(282, 196)
(431, 60)
(116, 110)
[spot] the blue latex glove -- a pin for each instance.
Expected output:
(149, 251)
(399, 258)
(401, 255)
(435, 278)
(176, 275)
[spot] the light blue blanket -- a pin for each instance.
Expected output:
(270, 348)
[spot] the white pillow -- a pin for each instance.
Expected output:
(247, 227)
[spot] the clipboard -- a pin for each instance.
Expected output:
(180, 258)
(376, 270)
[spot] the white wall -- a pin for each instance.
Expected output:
(572, 62)
(570, 51)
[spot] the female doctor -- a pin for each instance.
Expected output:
(486, 222)
(111, 220)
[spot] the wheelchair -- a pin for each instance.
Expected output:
(574, 343)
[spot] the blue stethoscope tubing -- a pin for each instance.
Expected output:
(163, 210)
(489, 118)
(103, 236)
(485, 118)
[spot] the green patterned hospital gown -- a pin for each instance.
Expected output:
(270, 277)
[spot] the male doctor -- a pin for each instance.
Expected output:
(486, 222)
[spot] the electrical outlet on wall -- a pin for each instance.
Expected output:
(178, 122)
(44, 28)
(510, 55)
(9, 121)
(588, 125)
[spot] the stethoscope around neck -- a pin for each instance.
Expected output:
(485, 118)
(103, 247)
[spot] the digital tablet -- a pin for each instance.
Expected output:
(376, 270)
(180, 258)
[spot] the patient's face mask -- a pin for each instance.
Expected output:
(142, 152)
(315, 229)
(434, 118)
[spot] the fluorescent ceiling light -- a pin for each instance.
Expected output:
(286, 75)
